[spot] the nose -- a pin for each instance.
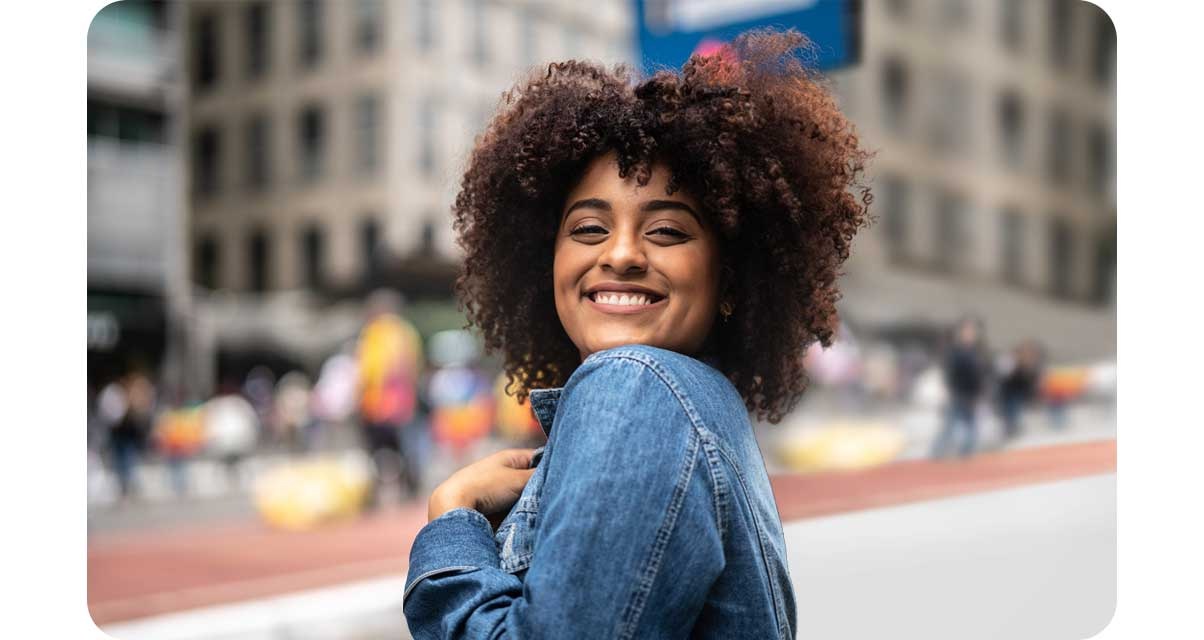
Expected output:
(624, 253)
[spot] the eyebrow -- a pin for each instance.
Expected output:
(647, 207)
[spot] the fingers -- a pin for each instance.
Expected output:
(515, 458)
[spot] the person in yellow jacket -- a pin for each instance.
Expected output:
(389, 359)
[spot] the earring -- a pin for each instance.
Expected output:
(726, 310)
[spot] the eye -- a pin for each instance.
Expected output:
(669, 231)
(587, 229)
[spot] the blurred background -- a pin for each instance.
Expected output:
(276, 362)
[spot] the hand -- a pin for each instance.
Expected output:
(491, 486)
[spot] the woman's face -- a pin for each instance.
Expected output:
(634, 265)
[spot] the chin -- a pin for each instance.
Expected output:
(612, 341)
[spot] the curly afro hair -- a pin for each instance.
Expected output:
(751, 132)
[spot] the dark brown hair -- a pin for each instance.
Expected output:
(751, 132)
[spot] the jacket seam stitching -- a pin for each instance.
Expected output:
(432, 573)
(636, 601)
(720, 493)
(770, 575)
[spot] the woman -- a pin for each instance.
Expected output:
(651, 261)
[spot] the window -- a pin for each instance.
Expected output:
(1011, 24)
(1058, 152)
(1099, 160)
(480, 44)
(895, 216)
(950, 234)
(259, 150)
(369, 21)
(369, 246)
(895, 91)
(258, 39)
(312, 249)
(1061, 256)
(309, 32)
(205, 67)
(1060, 32)
(1011, 129)
(311, 134)
(949, 127)
(426, 135)
(367, 134)
(425, 24)
(207, 256)
(1011, 234)
(258, 255)
(1103, 58)
(206, 152)
(126, 123)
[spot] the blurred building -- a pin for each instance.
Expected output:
(327, 140)
(994, 182)
(136, 281)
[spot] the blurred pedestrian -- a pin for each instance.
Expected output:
(333, 401)
(461, 396)
(965, 372)
(389, 353)
(260, 390)
(179, 435)
(231, 430)
(292, 415)
(1018, 384)
(126, 406)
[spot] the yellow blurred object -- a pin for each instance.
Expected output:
(180, 433)
(1064, 383)
(302, 495)
(515, 420)
(841, 446)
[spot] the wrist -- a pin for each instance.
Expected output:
(444, 499)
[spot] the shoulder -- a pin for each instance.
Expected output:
(677, 383)
(676, 372)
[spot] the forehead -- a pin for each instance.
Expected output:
(601, 179)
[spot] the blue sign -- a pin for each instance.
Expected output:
(671, 30)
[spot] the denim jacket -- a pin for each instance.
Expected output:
(649, 515)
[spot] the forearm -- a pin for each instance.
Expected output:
(456, 587)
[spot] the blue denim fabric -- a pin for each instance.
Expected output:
(650, 515)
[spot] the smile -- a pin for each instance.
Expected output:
(623, 301)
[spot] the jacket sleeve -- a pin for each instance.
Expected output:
(627, 541)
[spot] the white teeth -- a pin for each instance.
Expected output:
(622, 299)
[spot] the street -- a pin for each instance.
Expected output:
(1013, 544)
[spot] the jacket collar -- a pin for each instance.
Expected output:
(545, 401)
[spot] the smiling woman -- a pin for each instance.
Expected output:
(651, 260)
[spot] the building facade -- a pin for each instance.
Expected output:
(325, 141)
(137, 281)
(993, 125)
